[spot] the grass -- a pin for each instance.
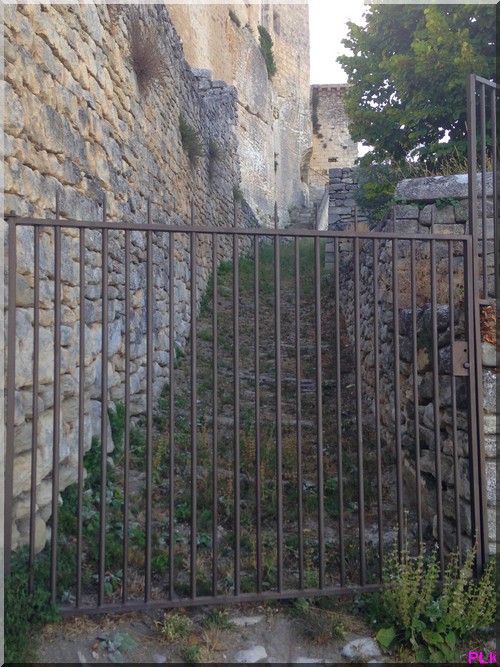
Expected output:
(190, 139)
(147, 57)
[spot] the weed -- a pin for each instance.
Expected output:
(190, 140)
(266, 47)
(214, 154)
(117, 424)
(218, 618)
(147, 57)
(174, 627)
(430, 620)
(191, 654)
(26, 612)
(318, 625)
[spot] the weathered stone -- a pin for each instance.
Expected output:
(254, 654)
(490, 355)
(361, 650)
(440, 187)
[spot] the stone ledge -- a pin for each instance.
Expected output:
(430, 188)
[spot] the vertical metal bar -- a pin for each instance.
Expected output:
(104, 410)
(456, 463)
(81, 423)
(319, 411)
(171, 436)
(57, 407)
(359, 415)
(194, 415)
(236, 388)
(298, 376)
(496, 221)
(482, 107)
(235, 213)
(475, 407)
(126, 438)
(397, 392)
(149, 403)
(436, 403)
(376, 360)
(355, 218)
(338, 384)
(258, 485)
(413, 270)
(215, 392)
(192, 211)
(11, 394)
(276, 222)
(471, 159)
(34, 431)
(279, 442)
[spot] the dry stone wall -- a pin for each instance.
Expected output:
(428, 203)
(77, 124)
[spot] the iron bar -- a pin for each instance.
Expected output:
(171, 411)
(414, 337)
(319, 413)
(57, 406)
(482, 111)
(338, 382)
(496, 221)
(376, 362)
(279, 435)
(359, 415)
(81, 422)
(456, 463)
(104, 410)
(236, 389)
(194, 415)
(298, 408)
(149, 404)
(436, 404)
(215, 393)
(126, 435)
(34, 427)
(258, 485)
(397, 391)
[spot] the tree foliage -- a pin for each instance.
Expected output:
(407, 73)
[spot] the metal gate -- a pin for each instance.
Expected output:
(203, 415)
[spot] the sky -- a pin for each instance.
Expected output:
(327, 21)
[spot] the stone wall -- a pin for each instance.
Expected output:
(428, 203)
(274, 126)
(77, 124)
(332, 143)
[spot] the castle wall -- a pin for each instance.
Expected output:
(77, 124)
(273, 126)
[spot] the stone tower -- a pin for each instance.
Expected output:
(332, 143)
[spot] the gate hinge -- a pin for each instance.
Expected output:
(461, 364)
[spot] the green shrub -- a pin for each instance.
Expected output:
(25, 612)
(190, 140)
(266, 47)
(214, 154)
(418, 613)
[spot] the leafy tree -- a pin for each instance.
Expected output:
(407, 76)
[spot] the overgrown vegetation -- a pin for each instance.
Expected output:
(414, 612)
(315, 104)
(25, 612)
(266, 47)
(190, 139)
(147, 57)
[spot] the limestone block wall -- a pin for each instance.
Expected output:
(333, 147)
(419, 420)
(274, 125)
(77, 124)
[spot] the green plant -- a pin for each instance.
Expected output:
(238, 193)
(219, 619)
(147, 57)
(117, 424)
(25, 612)
(431, 620)
(266, 47)
(234, 18)
(191, 654)
(190, 140)
(214, 154)
(174, 627)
